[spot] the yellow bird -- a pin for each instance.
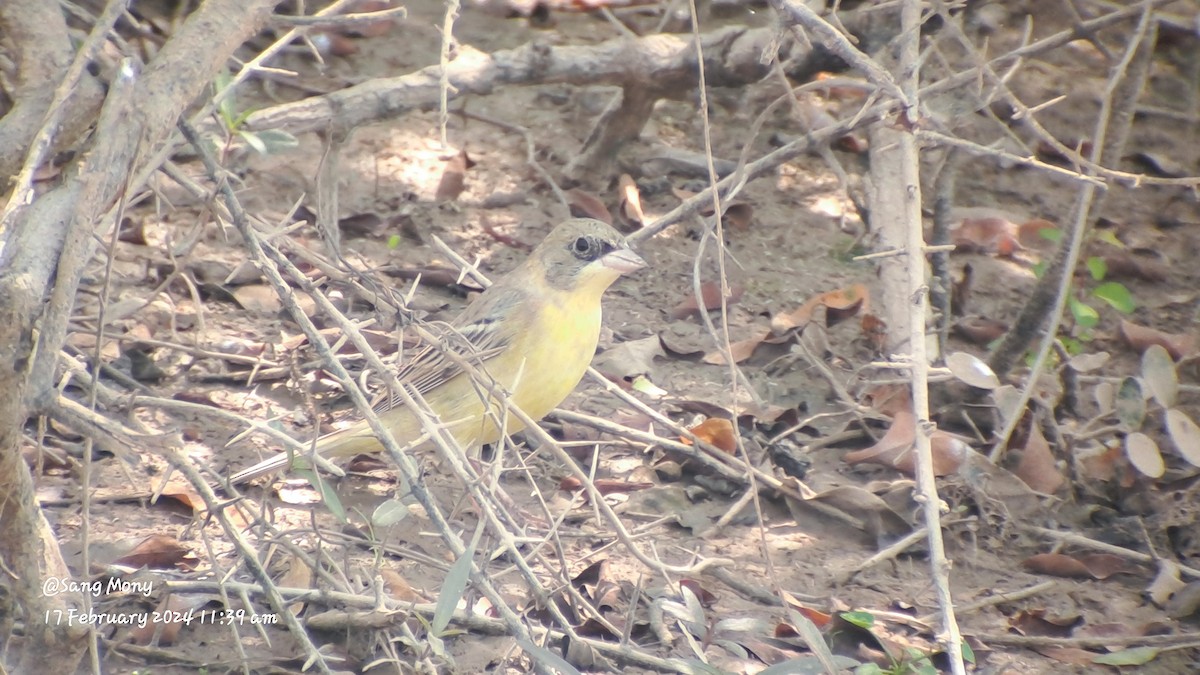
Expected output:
(531, 334)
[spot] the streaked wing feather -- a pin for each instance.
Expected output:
(474, 336)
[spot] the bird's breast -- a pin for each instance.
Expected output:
(558, 346)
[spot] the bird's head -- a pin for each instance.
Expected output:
(583, 254)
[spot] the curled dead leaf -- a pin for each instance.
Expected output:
(715, 431)
(583, 204)
(740, 350)
(897, 449)
(843, 302)
(710, 292)
(158, 551)
(979, 330)
(630, 208)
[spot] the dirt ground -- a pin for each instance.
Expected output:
(802, 239)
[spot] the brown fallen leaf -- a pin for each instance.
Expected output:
(1141, 337)
(605, 486)
(1125, 264)
(843, 302)
(1038, 467)
(960, 291)
(715, 431)
(991, 235)
(897, 449)
(1090, 566)
(169, 617)
(454, 177)
(979, 330)
(740, 350)
(158, 551)
(850, 89)
(1041, 623)
(584, 204)
(739, 216)
(710, 292)
(395, 585)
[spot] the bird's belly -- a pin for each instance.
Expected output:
(540, 369)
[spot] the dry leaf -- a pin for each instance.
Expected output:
(960, 291)
(630, 207)
(1144, 455)
(158, 551)
(454, 177)
(258, 298)
(1124, 264)
(897, 449)
(992, 235)
(1090, 566)
(1038, 467)
(398, 587)
(629, 359)
(844, 301)
(971, 370)
(739, 216)
(1166, 583)
(584, 204)
(1158, 371)
(1185, 435)
(710, 292)
(979, 330)
(1039, 622)
(716, 431)
(740, 350)
(169, 617)
(298, 575)
(1141, 337)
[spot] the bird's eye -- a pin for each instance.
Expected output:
(582, 247)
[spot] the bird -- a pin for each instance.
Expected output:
(531, 334)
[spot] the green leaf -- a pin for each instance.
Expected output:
(864, 620)
(968, 654)
(254, 141)
(389, 513)
(1039, 269)
(1084, 314)
(1051, 234)
(1097, 267)
(225, 108)
(393, 242)
(1115, 294)
(1072, 345)
(328, 494)
(1134, 656)
(813, 638)
(453, 588)
(1110, 237)
(277, 140)
(1130, 404)
(547, 658)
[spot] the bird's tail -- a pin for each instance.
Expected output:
(343, 443)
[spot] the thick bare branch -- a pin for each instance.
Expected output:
(732, 58)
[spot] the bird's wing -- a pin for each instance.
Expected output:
(482, 331)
